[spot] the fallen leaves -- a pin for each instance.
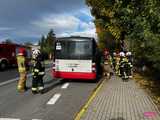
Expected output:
(150, 85)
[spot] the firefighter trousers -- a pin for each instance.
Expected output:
(37, 83)
(22, 81)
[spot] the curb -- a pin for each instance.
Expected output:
(90, 99)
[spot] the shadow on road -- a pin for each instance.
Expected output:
(125, 80)
(52, 85)
(50, 81)
(119, 118)
(82, 80)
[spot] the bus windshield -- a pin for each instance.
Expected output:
(74, 49)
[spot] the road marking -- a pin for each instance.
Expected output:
(36, 119)
(65, 86)
(12, 80)
(14, 119)
(9, 119)
(15, 79)
(54, 99)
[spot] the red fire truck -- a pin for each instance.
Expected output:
(8, 53)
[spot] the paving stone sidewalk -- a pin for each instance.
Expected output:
(119, 100)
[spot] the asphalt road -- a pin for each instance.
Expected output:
(61, 100)
(12, 73)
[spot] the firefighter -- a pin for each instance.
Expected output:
(21, 61)
(123, 65)
(114, 61)
(122, 56)
(106, 54)
(130, 62)
(117, 63)
(37, 71)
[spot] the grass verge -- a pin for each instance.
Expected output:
(150, 85)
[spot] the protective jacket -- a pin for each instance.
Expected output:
(38, 68)
(21, 63)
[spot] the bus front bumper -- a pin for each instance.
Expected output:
(74, 75)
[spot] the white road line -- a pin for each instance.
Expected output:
(15, 79)
(36, 119)
(12, 80)
(65, 86)
(9, 119)
(54, 99)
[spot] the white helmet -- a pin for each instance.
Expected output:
(35, 53)
(114, 54)
(128, 54)
(122, 54)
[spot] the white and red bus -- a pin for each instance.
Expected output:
(76, 58)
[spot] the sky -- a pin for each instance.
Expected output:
(27, 20)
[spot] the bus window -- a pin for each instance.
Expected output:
(62, 52)
(75, 50)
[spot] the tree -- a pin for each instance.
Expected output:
(105, 21)
(135, 22)
(28, 44)
(47, 44)
(42, 43)
(8, 41)
(50, 40)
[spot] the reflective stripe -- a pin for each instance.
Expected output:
(36, 70)
(41, 73)
(40, 88)
(34, 89)
(19, 87)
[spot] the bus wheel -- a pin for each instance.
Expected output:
(3, 65)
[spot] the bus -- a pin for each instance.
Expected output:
(76, 58)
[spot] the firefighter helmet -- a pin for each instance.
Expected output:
(35, 53)
(122, 54)
(21, 51)
(128, 54)
(114, 54)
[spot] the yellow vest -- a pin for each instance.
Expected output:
(21, 63)
(125, 59)
(117, 60)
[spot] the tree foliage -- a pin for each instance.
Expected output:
(8, 41)
(28, 43)
(135, 21)
(47, 43)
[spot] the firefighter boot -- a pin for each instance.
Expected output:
(41, 89)
(34, 90)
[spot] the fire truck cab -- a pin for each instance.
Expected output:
(8, 53)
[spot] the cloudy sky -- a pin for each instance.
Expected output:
(27, 20)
